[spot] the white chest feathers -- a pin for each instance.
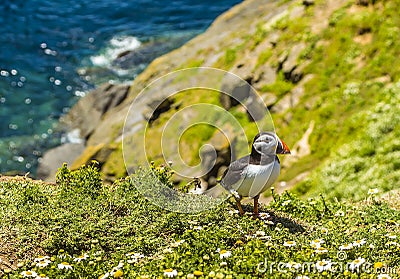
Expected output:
(257, 179)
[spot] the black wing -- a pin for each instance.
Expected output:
(234, 172)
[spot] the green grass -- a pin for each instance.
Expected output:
(100, 229)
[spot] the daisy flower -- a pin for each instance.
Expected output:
(264, 215)
(302, 277)
(42, 276)
(233, 212)
(177, 243)
(43, 263)
(285, 203)
(289, 243)
(356, 263)
(339, 213)
(259, 234)
(317, 243)
(323, 265)
(81, 258)
(28, 273)
(170, 272)
(224, 254)
(346, 247)
(373, 191)
(64, 265)
(135, 257)
(359, 243)
(198, 228)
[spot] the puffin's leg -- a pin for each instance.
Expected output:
(256, 205)
(241, 212)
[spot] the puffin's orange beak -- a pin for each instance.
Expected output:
(282, 148)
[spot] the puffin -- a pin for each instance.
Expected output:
(253, 174)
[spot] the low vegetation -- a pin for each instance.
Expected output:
(82, 228)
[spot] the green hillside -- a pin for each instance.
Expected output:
(329, 73)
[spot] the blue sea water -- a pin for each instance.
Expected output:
(52, 52)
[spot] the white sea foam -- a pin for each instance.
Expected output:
(73, 136)
(115, 46)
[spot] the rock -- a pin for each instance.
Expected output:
(308, 3)
(155, 108)
(298, 72)
(269, 99)
(274, 38)
(291, 62)
(54, 158)
(233, 91)
(264, 75)
(296, 12)
(89, 110)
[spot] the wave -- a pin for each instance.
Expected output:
(114, 48)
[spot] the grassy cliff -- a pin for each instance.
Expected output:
(328, 72)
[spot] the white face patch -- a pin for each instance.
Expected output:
(265, 144)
